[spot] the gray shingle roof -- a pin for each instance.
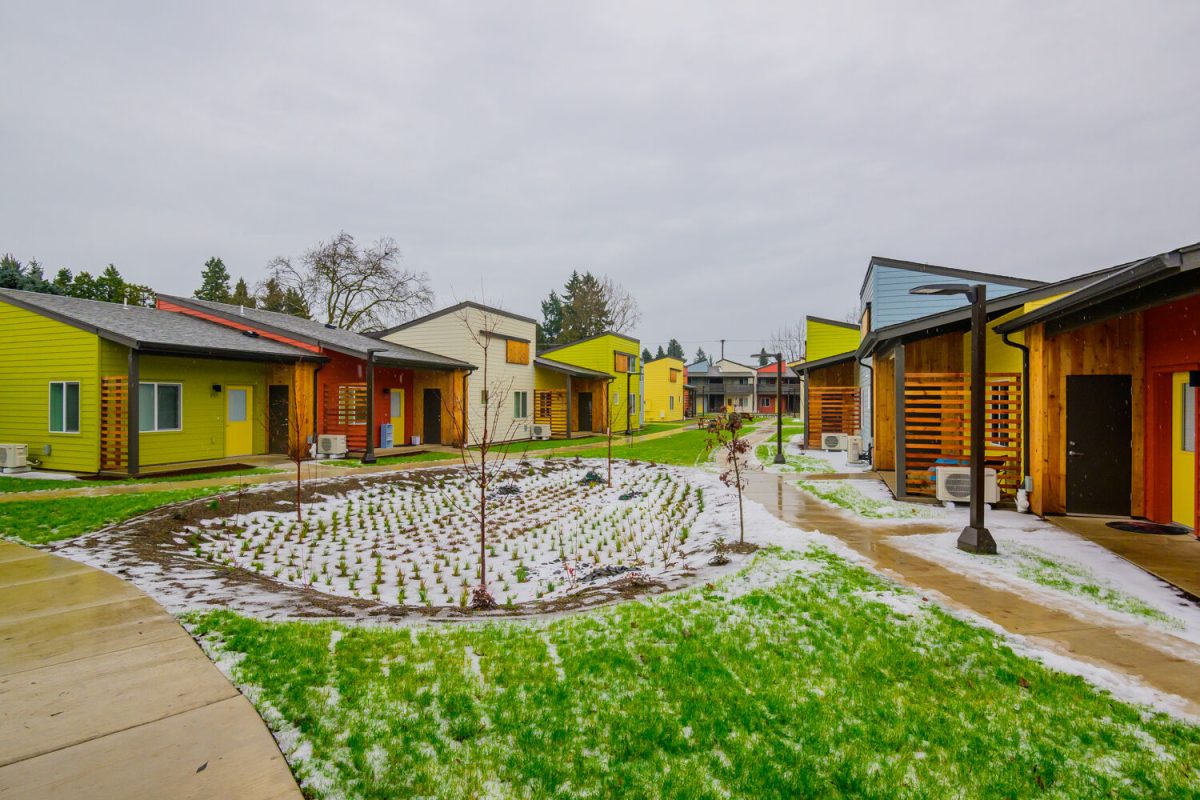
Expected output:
(307, 330)
(150, 329)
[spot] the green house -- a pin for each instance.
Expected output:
(66, 366)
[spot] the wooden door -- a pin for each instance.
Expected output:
(432, 429)
(1099, 444)
(239, 424)
(278, 410)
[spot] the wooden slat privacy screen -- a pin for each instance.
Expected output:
(550, 408)
(346, 413)
(114, 411)
(937, 426)
(833, 409)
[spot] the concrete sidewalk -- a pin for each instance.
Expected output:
(104, 695)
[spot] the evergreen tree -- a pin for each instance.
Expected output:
(110, 286)
(646, 354)
(661, 353)
(271, 296)
(585, 309)
(701, 355)
(62, 281)
(214, 282)
(549, 331)
(295, 304)
(83, 285)
(675, 349)
(12, 274)
(241, 295)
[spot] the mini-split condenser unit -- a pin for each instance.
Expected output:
(329, 445)
(854, 448)
(14, 458)
(834, 441)
(954, 485)
(540, 431)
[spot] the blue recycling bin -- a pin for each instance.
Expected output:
(385, 435)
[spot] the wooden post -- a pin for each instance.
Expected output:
(568, 407)
(898, 383)
(133, 422)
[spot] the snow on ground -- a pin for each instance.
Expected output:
(807, 460)
(1060, 570)
(551, 532)
(43, 476)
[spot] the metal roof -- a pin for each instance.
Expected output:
(153, 330)
(318, 333)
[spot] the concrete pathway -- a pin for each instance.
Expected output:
(1174, 559)
(104, 695)
(1163, 661)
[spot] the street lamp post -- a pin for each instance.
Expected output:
(975, 538)
(369, 454)
(763, 355)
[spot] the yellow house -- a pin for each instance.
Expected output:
(664, 389)
(611, 354)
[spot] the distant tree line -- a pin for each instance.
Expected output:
(587, 306)
(108, 285)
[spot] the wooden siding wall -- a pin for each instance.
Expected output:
(451, 386)
(844, 374)
(936, 354)
(884, 405)
(1113, 347)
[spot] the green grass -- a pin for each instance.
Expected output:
(13, 485)
(685, 449)
(383, 460)
(42, 521)
(1075, 579)
(784, 683)
(765, 453)
(583, 441)
(843, 494)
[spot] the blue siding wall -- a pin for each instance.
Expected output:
(891, 304)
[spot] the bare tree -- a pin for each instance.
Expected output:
(725, 435)
(623, 311)
(352, 287)
(484, 469)
(788, 340)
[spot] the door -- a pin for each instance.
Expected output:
(1099, 444)
(1183, 450)
(278, 408)
(397, 417)
(585, 411)
(239, 428)
(432, 432)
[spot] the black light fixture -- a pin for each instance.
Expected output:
(216, 387)
(975, 538)
(763, 355)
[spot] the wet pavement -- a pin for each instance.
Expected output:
(104, 695)
(1162, 661)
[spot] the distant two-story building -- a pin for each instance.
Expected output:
(723, 385)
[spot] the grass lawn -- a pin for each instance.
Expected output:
(41, 521)
(765, 453)
(9, 484)
(406, 459)
(684, 449)
(805, 676)
(845, 495)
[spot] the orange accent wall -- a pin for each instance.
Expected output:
(1171, 345)
(343, 369)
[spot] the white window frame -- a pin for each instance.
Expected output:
(78, 411)
(157, 384)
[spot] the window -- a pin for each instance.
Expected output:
(520, 405)
(633, 401)
(160, 407)
(1188, 428)
(64, 407)
(671, 403)
(516, 352)
(766, 401)
(616, 399)
(483, 397)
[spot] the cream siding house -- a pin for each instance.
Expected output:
(459, 331)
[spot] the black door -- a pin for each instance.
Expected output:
(278, 404)
(1099, 444)
(433, 416)
(585, 411)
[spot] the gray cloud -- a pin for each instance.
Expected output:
(733, 164)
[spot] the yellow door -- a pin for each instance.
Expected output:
(239, 427)
(397, 415)
(1183, 451)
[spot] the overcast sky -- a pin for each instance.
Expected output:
(734, 165)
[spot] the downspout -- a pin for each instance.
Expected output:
(1025, 462)
(871, 384)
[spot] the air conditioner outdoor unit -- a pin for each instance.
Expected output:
(540, 431)
(954, 484)
(14, 458)
(854, 448)
(331, 445)
(834, 441)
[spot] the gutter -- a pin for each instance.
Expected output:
(1025, 462)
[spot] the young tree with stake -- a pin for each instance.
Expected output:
(725, 435)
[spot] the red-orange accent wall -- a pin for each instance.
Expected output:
(343, 369)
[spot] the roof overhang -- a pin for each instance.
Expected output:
(571, 369)
(828, 361)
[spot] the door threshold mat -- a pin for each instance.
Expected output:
(1134, 526)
